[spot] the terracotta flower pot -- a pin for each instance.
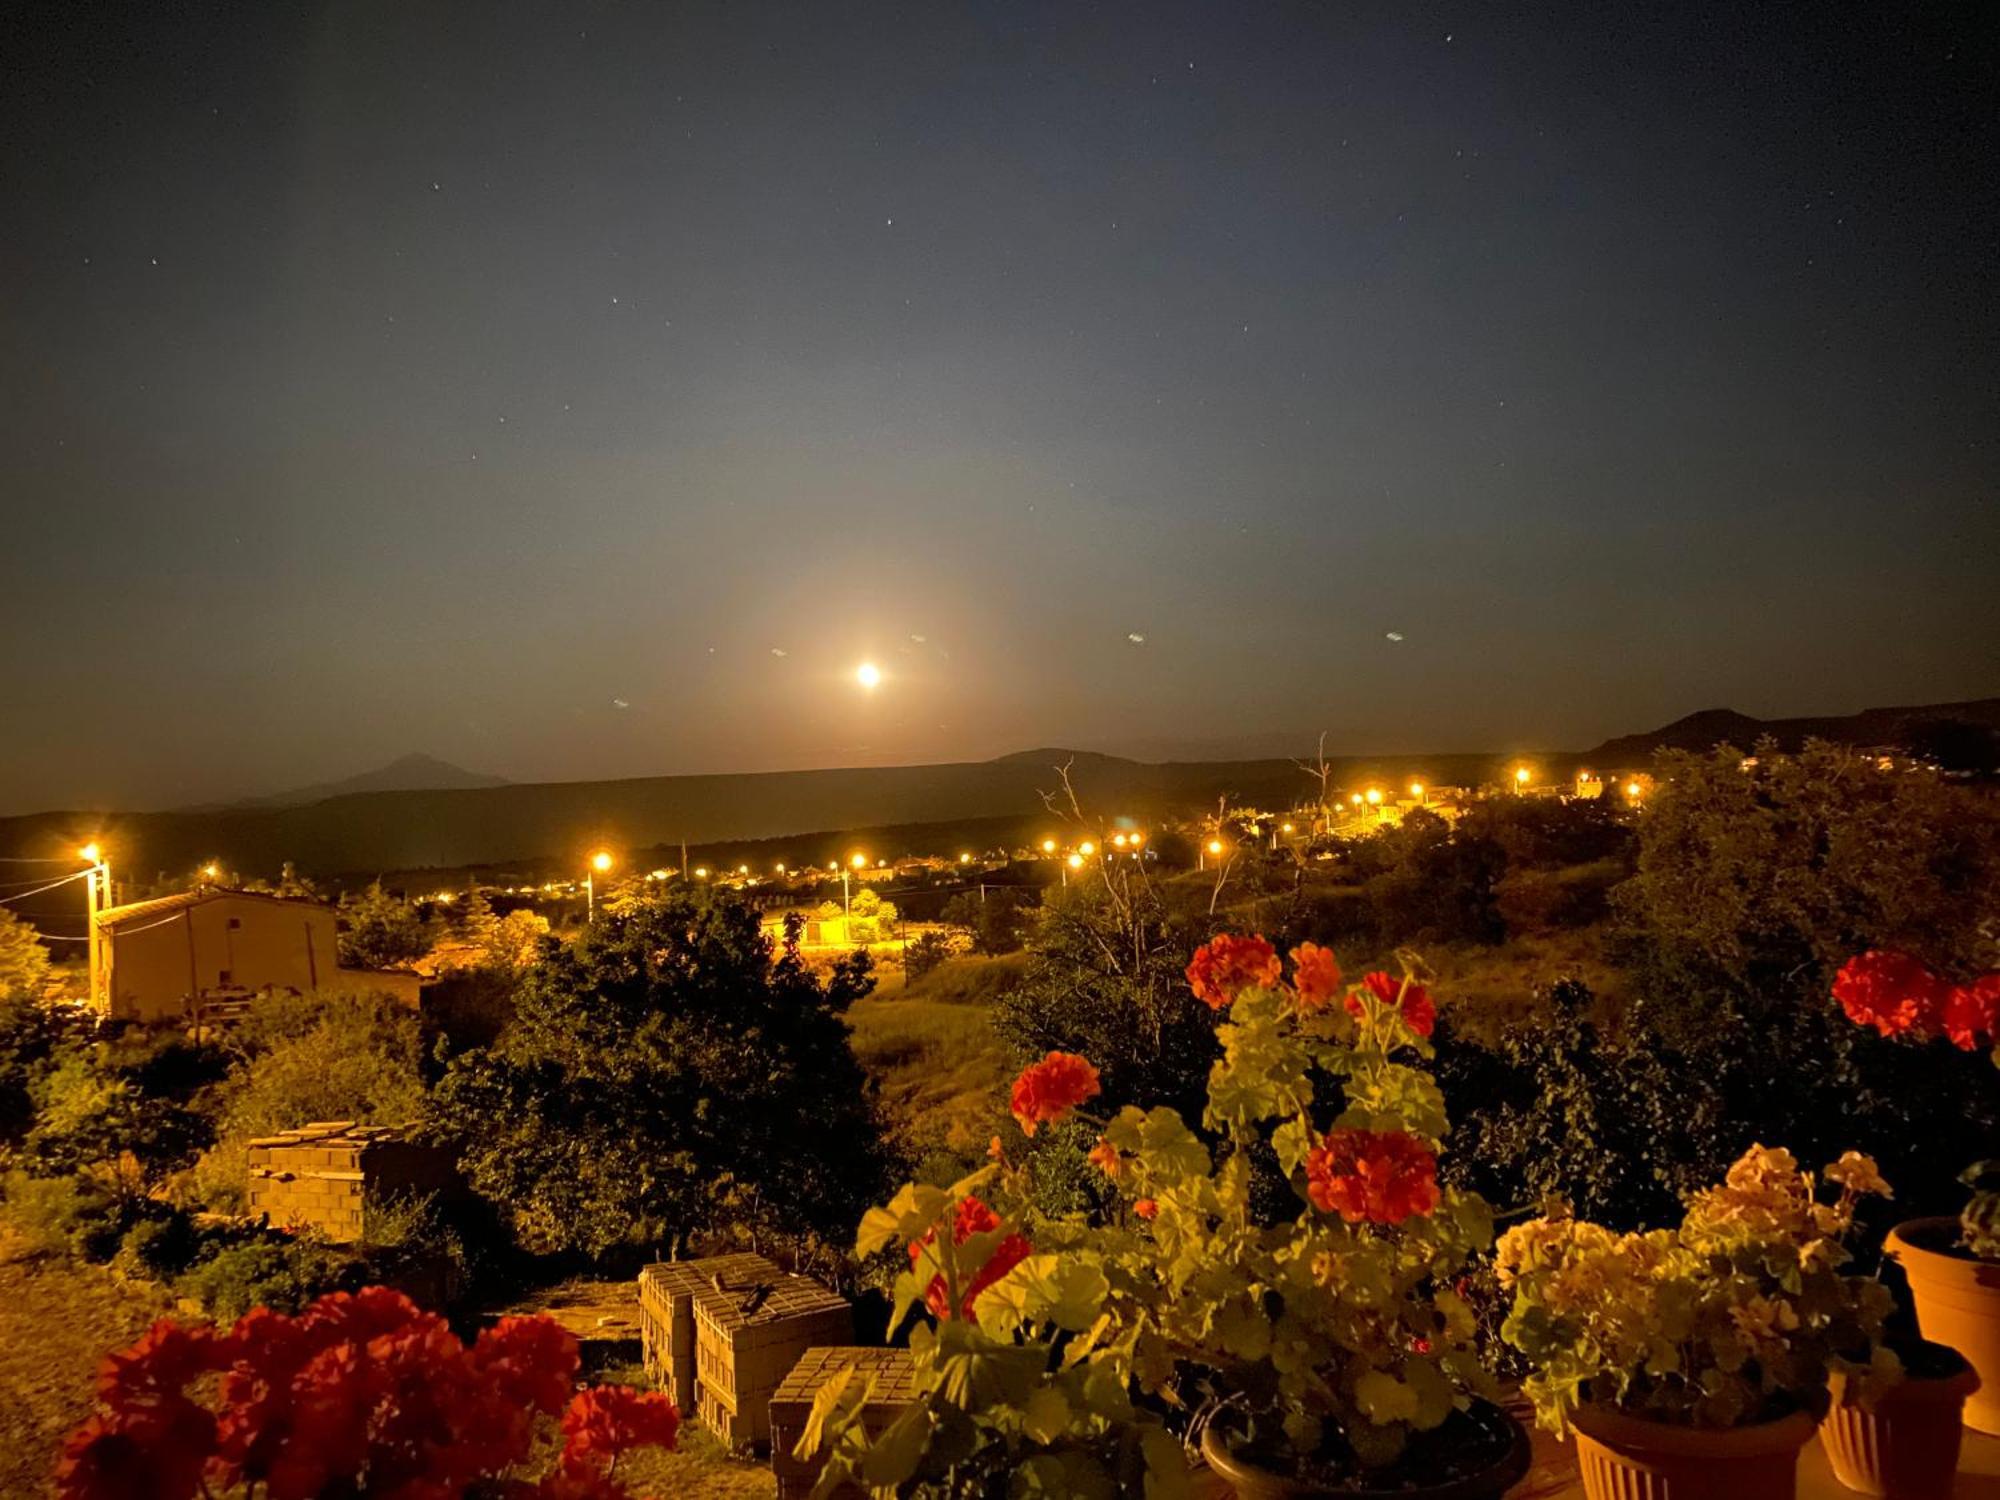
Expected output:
(1489, 1480)
(1629, 1458)
(1906, 1446)
(1958, 1305)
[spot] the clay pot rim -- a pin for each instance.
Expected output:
(1495, 1480)
(1643, 1435)
(1941, 1389)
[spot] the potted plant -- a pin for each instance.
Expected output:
(1953, 1265)
(1281, 1291)
(1297, 1281)
(1693, 1363)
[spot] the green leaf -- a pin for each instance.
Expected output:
(893, 1457)
(1293, 1141)
(1167, 1475)
(1046, 1416)
(1054, 1289)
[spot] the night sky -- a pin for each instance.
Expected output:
(575, 391)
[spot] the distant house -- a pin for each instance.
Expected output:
(161, 960)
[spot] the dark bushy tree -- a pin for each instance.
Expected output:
(669, 1076)
(379, 931)
(999, 923)
(1755, 882)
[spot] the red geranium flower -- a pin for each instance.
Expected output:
(1104, 1156)
(1971, 1011)
(606, 1420)
(1145, 1208)
(1051, 1088)
(1226, 965)
(1890, 991)
(1417, 1011)
(973, 1217)
(1315, 976)
(1377, 1176)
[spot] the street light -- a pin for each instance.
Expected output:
(1211, 850)
(1521, 776)
(600, 864)
(1374, 796)
(1417, 790)
(1632, 790)
(859, 862)
(97, 895)
(1086, 849)
(1048, 846)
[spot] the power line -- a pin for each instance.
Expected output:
(24, 895)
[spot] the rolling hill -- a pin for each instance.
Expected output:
(362, 828)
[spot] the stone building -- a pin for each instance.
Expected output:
(324, 1176)
(721, 1333)
(893, 1387)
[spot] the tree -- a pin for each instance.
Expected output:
(1755, 882)
(998, 923)
(24, 962)
(871, 919)
(667, 1076)
(379, 931)
(325, 1056)
(33, 1037)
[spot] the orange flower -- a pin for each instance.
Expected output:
(1226, 965)
(1377, 1176)
(1104, 1156)
(1417, 1011)
(1051, 1088)
(1145, 1208)
(1315, 976)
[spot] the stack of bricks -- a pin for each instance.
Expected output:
(323, 1175)
(666, 1315)
(892, 1390)
(720, 1334)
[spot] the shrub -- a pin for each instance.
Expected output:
(380, 931)
(998, 920)
(361, 1394)
(926, 954)
(326, 1056)
(71, 1215)
(665, 1076)
(271, 1270)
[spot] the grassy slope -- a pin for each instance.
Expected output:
(57, 1321)
(932, 1049)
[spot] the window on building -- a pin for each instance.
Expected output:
(222, 976)
(234, 923)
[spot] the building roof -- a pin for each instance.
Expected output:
(163, 906)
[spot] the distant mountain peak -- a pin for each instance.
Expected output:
(415, 772)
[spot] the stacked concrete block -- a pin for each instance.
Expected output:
(666, 1315)
(323, 1176)
(747, 1338)
(720, 1334)
(892, 1391)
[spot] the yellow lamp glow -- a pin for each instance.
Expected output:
(1086, 848)
(965, 859)
(1631, 788)
(868, 675)
(1076, 861)
(1355, 799)
(90, 854)
(701, 872)
(1284, 828)
(1416, 789)
(600, 861)
(860, 861)
(1521, 776)
(1215, 846)
(1138, 839)
(1374, 795)
(1048, 846)
(211, 869)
